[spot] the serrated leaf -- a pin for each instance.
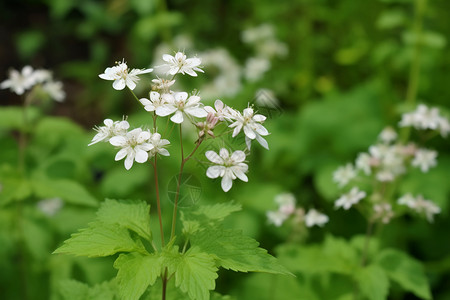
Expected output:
(237, 252)
(195, 271)
(202, 216)
(373, 282)
(70, 191)
(136, 273)
(100, 239)
(406, 271)
(133, 215)
(75, 290)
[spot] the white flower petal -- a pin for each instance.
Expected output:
(214, 171)
(224, 153)
(238, 156)
(177, 117)
(227, 182)
(165, 110)
(214, 157)
(121, 154)
(119, 84)
(141, 156)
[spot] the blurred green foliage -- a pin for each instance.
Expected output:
(344, 79)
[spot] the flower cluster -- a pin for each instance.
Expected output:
(180, 107)
(385, 162)
(287, 208)
(21, 81)
(426, 118)
(135, 145)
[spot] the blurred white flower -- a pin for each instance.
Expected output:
(111, 128)
(226, 166)
(266, 98)
(286, 203)
(344, 175)
(134, 146)
(420, 205)
(161, 84)
(385, 176)
(50, 207)
(123, 76)
(313, 217)
(180, 104)
(388, 135)
(365, 162)
(251, 123)
(19, 82)
(180, 64)
(426, 118)
(55, 90)
(255, 67)
(383, 212)
(276, 218)
(348, 200)
(424, 159)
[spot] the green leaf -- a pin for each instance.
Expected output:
(70, 191)
(206, 215)
(195, 271)
(11, 117)
(373, 282)
(133, 215)
(15, 187)
(75, 290)
(136, 273)
(100, 239)
(237, 252)
(406, 271)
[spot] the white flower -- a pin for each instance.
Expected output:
(383, 211)
(444, 126)
(180, 104)
(388, 135)
(122, 76)
(255, 67)
(158, 145)
(111, 128)
(364, 162)
(276, 217)
(161, 84)
(41, 76)
(180, 64)
(286, 202)
(251, 123)
(313, 217)
(55, 90)
(426, 118)
(385, 176)
(221, 111)
(228, 167)
(407, 200)
(50, 207)
(156, 100)
(420, 205)
(135, 146)
(347, 200)
(344, 175)
(19, 82)
(424, 159)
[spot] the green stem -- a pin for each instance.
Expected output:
(158, 200)
(414, 72)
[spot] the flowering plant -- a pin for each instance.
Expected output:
(190, 258)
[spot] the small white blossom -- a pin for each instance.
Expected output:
(313, 217)
(55, 90)
(348, 200)
(286, 203)
(180, 64)
(19, 82)
(134, 146)
(111, 128)
(123, 76)
(365, 162)
(158, 145)
(420, 205)
(226, 166)
(276, 218)
(161, 84)
(426, 118)
(344, 175)
(385, 176)
(383, 212)
(251, 123)
(424, 159)
(50, 207)
(255, 67)
(156, 100)
(221, 111)
(180, 104)
(388, 135)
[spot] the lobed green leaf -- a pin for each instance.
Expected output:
(373, 282)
